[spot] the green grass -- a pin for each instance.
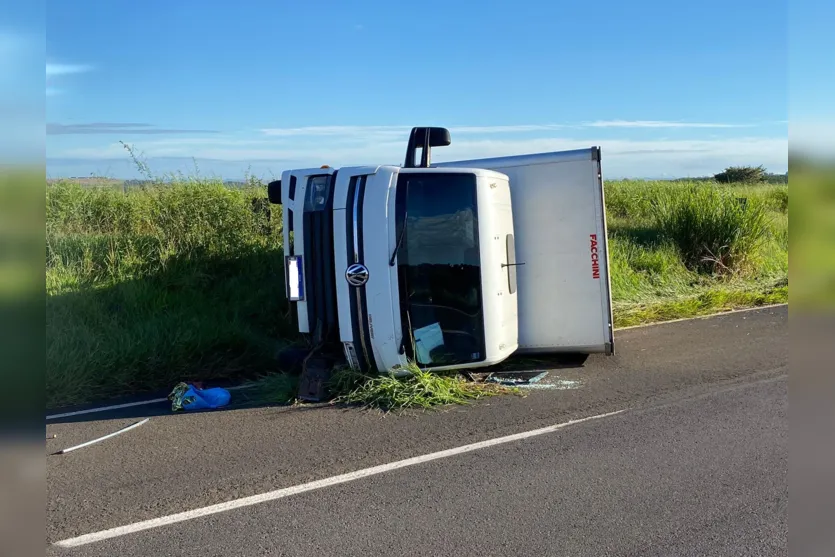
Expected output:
(663, 234)
(707, 302)
(417, 389)
(157, 285)
(149, 288)
(268, 389)
(714, 231)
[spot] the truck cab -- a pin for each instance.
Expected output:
(414, 263)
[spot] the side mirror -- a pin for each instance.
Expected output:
(274, 192)
(438, 137)
(426, 138)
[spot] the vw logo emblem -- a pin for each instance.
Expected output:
(357, 274)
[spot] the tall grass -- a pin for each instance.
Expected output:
(663, 236)
(715, 231)
(184, 281)
(150, 287)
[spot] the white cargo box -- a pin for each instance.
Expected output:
(564, 292)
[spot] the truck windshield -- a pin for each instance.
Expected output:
(439, 268)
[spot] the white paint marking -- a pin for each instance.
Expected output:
(697, 317)
(119, 406)
(105, 408)
(103, 437)
(318, 484)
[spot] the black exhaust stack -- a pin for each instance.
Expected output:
(426, 138)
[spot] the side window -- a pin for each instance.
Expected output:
(440, 267)
(511, 264)
(441, 243)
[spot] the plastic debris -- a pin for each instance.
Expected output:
(516, 379)
(560, 385)
(531, 380)
(189, 397)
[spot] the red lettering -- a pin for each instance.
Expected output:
(595, 257)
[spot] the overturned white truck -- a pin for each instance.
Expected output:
(459, 264)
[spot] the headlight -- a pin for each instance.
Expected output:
(317, 193)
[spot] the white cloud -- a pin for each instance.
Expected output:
(382, 133)
(521, 128)
(53, 70)
(312, 131)
(57, 71)
(379, 133)
(659, 124)
(192, 142)
(621, 157)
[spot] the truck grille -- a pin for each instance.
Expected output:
(355, 254)
(319, 270)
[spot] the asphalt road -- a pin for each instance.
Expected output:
(695, 463)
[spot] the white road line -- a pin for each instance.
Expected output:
(118, 406)
(697, 317)
(105, 408)
(103, 437)
(318, 484)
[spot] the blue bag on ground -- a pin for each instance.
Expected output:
(189, 397)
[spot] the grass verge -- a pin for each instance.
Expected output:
(694, 249)
(705, 303)
(147, 288)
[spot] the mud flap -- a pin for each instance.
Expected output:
(313, 383)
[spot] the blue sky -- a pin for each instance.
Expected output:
(665, 88)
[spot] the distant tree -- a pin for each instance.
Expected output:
(777, 178)
(741, 175)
